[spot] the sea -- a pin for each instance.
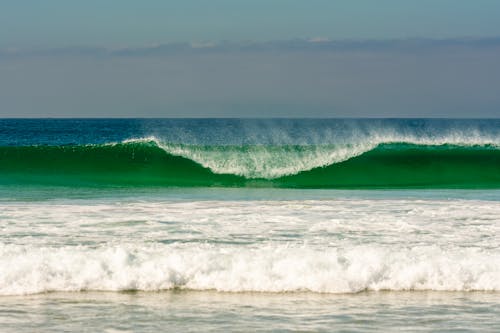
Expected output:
(242, 225)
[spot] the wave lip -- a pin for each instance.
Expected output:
(29, 270)
(275, 161)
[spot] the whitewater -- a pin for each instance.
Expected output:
(326, 246)
(274, 161)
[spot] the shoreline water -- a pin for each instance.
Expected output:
(243, 312)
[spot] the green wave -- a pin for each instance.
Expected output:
(392, 165)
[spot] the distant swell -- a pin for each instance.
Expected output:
(150, 163)
(28, 270)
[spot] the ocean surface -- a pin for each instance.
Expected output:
(142, 225)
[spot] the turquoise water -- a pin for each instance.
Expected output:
(243, 225)
(251, 153)
(148, 163)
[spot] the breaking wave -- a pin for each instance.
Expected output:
(450, 163)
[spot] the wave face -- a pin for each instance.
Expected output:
(287, 153)
(420, 163)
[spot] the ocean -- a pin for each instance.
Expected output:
(139, 225)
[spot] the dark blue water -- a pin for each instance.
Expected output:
(234, 131)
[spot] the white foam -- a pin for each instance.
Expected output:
(266, 161)
(261, 161)
(27, 270)
(334, 246)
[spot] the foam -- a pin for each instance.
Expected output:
(332, 246)
(28, 270)
(266, 161)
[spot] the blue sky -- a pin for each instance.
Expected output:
(59, 23)
(261, 58)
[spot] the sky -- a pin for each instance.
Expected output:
(232, 58)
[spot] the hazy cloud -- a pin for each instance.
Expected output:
(313, 44)
(295, 78)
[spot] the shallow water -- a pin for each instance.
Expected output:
(236, 260)
(182, 311)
